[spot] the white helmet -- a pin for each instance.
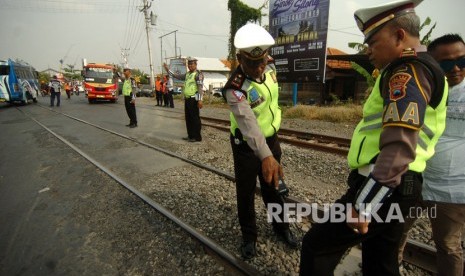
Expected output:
(253, 39)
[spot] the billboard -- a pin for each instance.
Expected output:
(178, 66)
(300, 29)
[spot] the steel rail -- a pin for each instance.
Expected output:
(290, 140)
(212, 247)
(416, 253)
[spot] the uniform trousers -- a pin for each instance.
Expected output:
(447, 224)
(192, 115)
(52, 98)
(165, 98)
(170, 99)
(324, 244)
(246, 169)
(131, 110)
(159, 97)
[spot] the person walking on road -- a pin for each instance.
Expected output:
(193, 93)
(129, 89)
(444, 176)
(403, 118)
(54, 89)
(252, 94)
(68, 90)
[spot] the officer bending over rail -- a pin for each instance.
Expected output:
(403, 119)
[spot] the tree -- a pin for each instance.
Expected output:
(240, 15)
(44, 78)
(140, 76)
(71, 73)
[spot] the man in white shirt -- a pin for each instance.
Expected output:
(444, 177)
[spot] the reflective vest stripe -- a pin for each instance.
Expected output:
(373, 117)
(371, 127)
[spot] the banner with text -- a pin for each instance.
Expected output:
(300, 29)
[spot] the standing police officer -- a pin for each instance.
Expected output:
(403, 119)
(193, 93)
(54, 89)
(252, 94)
(129, 94)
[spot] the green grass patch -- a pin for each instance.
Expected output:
(337, 114)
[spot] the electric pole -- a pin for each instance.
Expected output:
(161, 45)
(124, 57)
(148, 21)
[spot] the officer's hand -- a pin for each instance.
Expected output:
(133, 101)
(361, 226)
(200, 104)
(271, 171)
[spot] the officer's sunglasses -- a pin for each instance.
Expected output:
(254, 63)
(448, 64)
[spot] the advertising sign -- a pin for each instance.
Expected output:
(300, 29)
(178, 66)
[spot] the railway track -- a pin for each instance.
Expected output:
(415, 253)
(233, 264)
(320, 142)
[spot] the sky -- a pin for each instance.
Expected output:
(43, 32)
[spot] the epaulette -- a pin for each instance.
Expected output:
(236, 80)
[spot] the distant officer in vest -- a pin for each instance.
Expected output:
(129, 93)
(54, 89)
(403, 119)
(252, 95)
(193, 94)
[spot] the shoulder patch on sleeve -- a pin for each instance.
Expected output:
(239, 95)
(398, 86)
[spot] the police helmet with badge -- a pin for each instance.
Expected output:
(253, 41)
(371, 20)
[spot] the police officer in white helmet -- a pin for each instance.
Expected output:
(252, 94)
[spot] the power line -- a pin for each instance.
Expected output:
(64, 6)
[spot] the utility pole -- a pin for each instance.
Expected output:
(148, 20)
(161, 45)
(124, 57)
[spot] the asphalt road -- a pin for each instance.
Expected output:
(60, 215)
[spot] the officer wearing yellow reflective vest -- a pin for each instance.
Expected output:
(193, 94)
(403, 119)
(252, 94)
(129, 86)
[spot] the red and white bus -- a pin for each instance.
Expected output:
(99, 82)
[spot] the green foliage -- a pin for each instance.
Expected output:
(359, 47)
(44, 77)
(426, 38)
(240, 15)
(140, 76)
(362, 71)
(71, 74)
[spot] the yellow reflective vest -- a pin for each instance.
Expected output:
(190, 84)
(263, 99)
(364, 146)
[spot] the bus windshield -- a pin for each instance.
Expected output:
(4, 70)
(99, 75)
